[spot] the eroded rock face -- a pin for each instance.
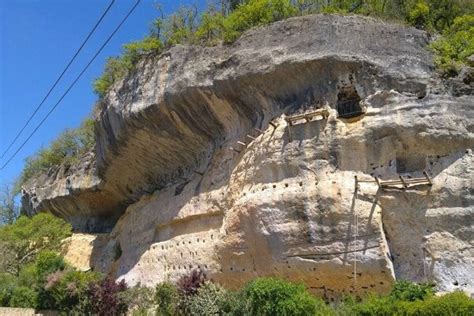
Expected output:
(283, 201)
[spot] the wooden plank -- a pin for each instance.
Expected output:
(238, 151)
(241, 143)
(428, 177)
(251, 137)
(259, 130)
(273, 124)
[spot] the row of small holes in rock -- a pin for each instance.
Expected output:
(198, 240)
(286, 185)
(184, 267)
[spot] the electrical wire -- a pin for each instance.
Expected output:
(71, 86)
(58, 79)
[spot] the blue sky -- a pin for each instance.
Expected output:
(37, 39)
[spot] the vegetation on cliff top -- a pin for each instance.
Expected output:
(227, 23)
(64, 150)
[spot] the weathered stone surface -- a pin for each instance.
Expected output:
(285, 203)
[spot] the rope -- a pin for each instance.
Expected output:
(356, 232)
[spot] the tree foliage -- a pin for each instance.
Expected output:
(67, 148)
(8, 208)
(455, 46)
(22, 241)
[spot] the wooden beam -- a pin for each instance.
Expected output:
(251, 137)
(241, 143)
(403, 181)
(199, 173)
(290, 138)
(273, 124)
(378, 182)
(238, 151)
(428, 177)
(259, 130)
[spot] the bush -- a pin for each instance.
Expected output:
(66, 149)
(408, 291)
(105, 298)
(22, 241)
(23, 296)
(211, 28)
(166, 297)
(67, 291)
(47, 263)
(419, 15)
(253, 13)
(268, 296)
(456, 303)
(455, 46)
(211, 299)
(189, 284)
(140, 300)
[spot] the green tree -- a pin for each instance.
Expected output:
(268, 296)
(253, 13)
(8, 207)
(455, 46)
(22, 241)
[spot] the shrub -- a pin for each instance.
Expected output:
(66, 149)
(140, 300)
(67, 291)
(7, 283)
(104, 297)
(408, 291)
(455, 46)
(189, 284)
(419, 14)
(211, 299)
(253, 13)
(179, 27)
(22, 241)
(210, 29)
(47, 263)
(456, 303)
(23, 296)
(268, 296)
(166, 297)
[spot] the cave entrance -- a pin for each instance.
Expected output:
(348, 102)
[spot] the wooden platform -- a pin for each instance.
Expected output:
(400, 183)
(307, 117)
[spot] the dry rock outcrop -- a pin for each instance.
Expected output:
(197, 167)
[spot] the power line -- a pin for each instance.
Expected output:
(58, 79)
(72, 84)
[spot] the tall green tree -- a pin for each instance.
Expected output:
(8, 208)
(21, 241)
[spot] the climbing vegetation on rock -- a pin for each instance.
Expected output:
(453, 49)
(227, 22)
(67, 148)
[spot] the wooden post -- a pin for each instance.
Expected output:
(378, 182)
(241, 143)
(251, 137)
(273, 124)
(403, 181)
(290, 138)
(355, 183)
(259, 130)
(238, 151)
(427, 177)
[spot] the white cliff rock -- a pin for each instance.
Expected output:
(285, 203)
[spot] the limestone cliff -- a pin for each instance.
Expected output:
(202, 162)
